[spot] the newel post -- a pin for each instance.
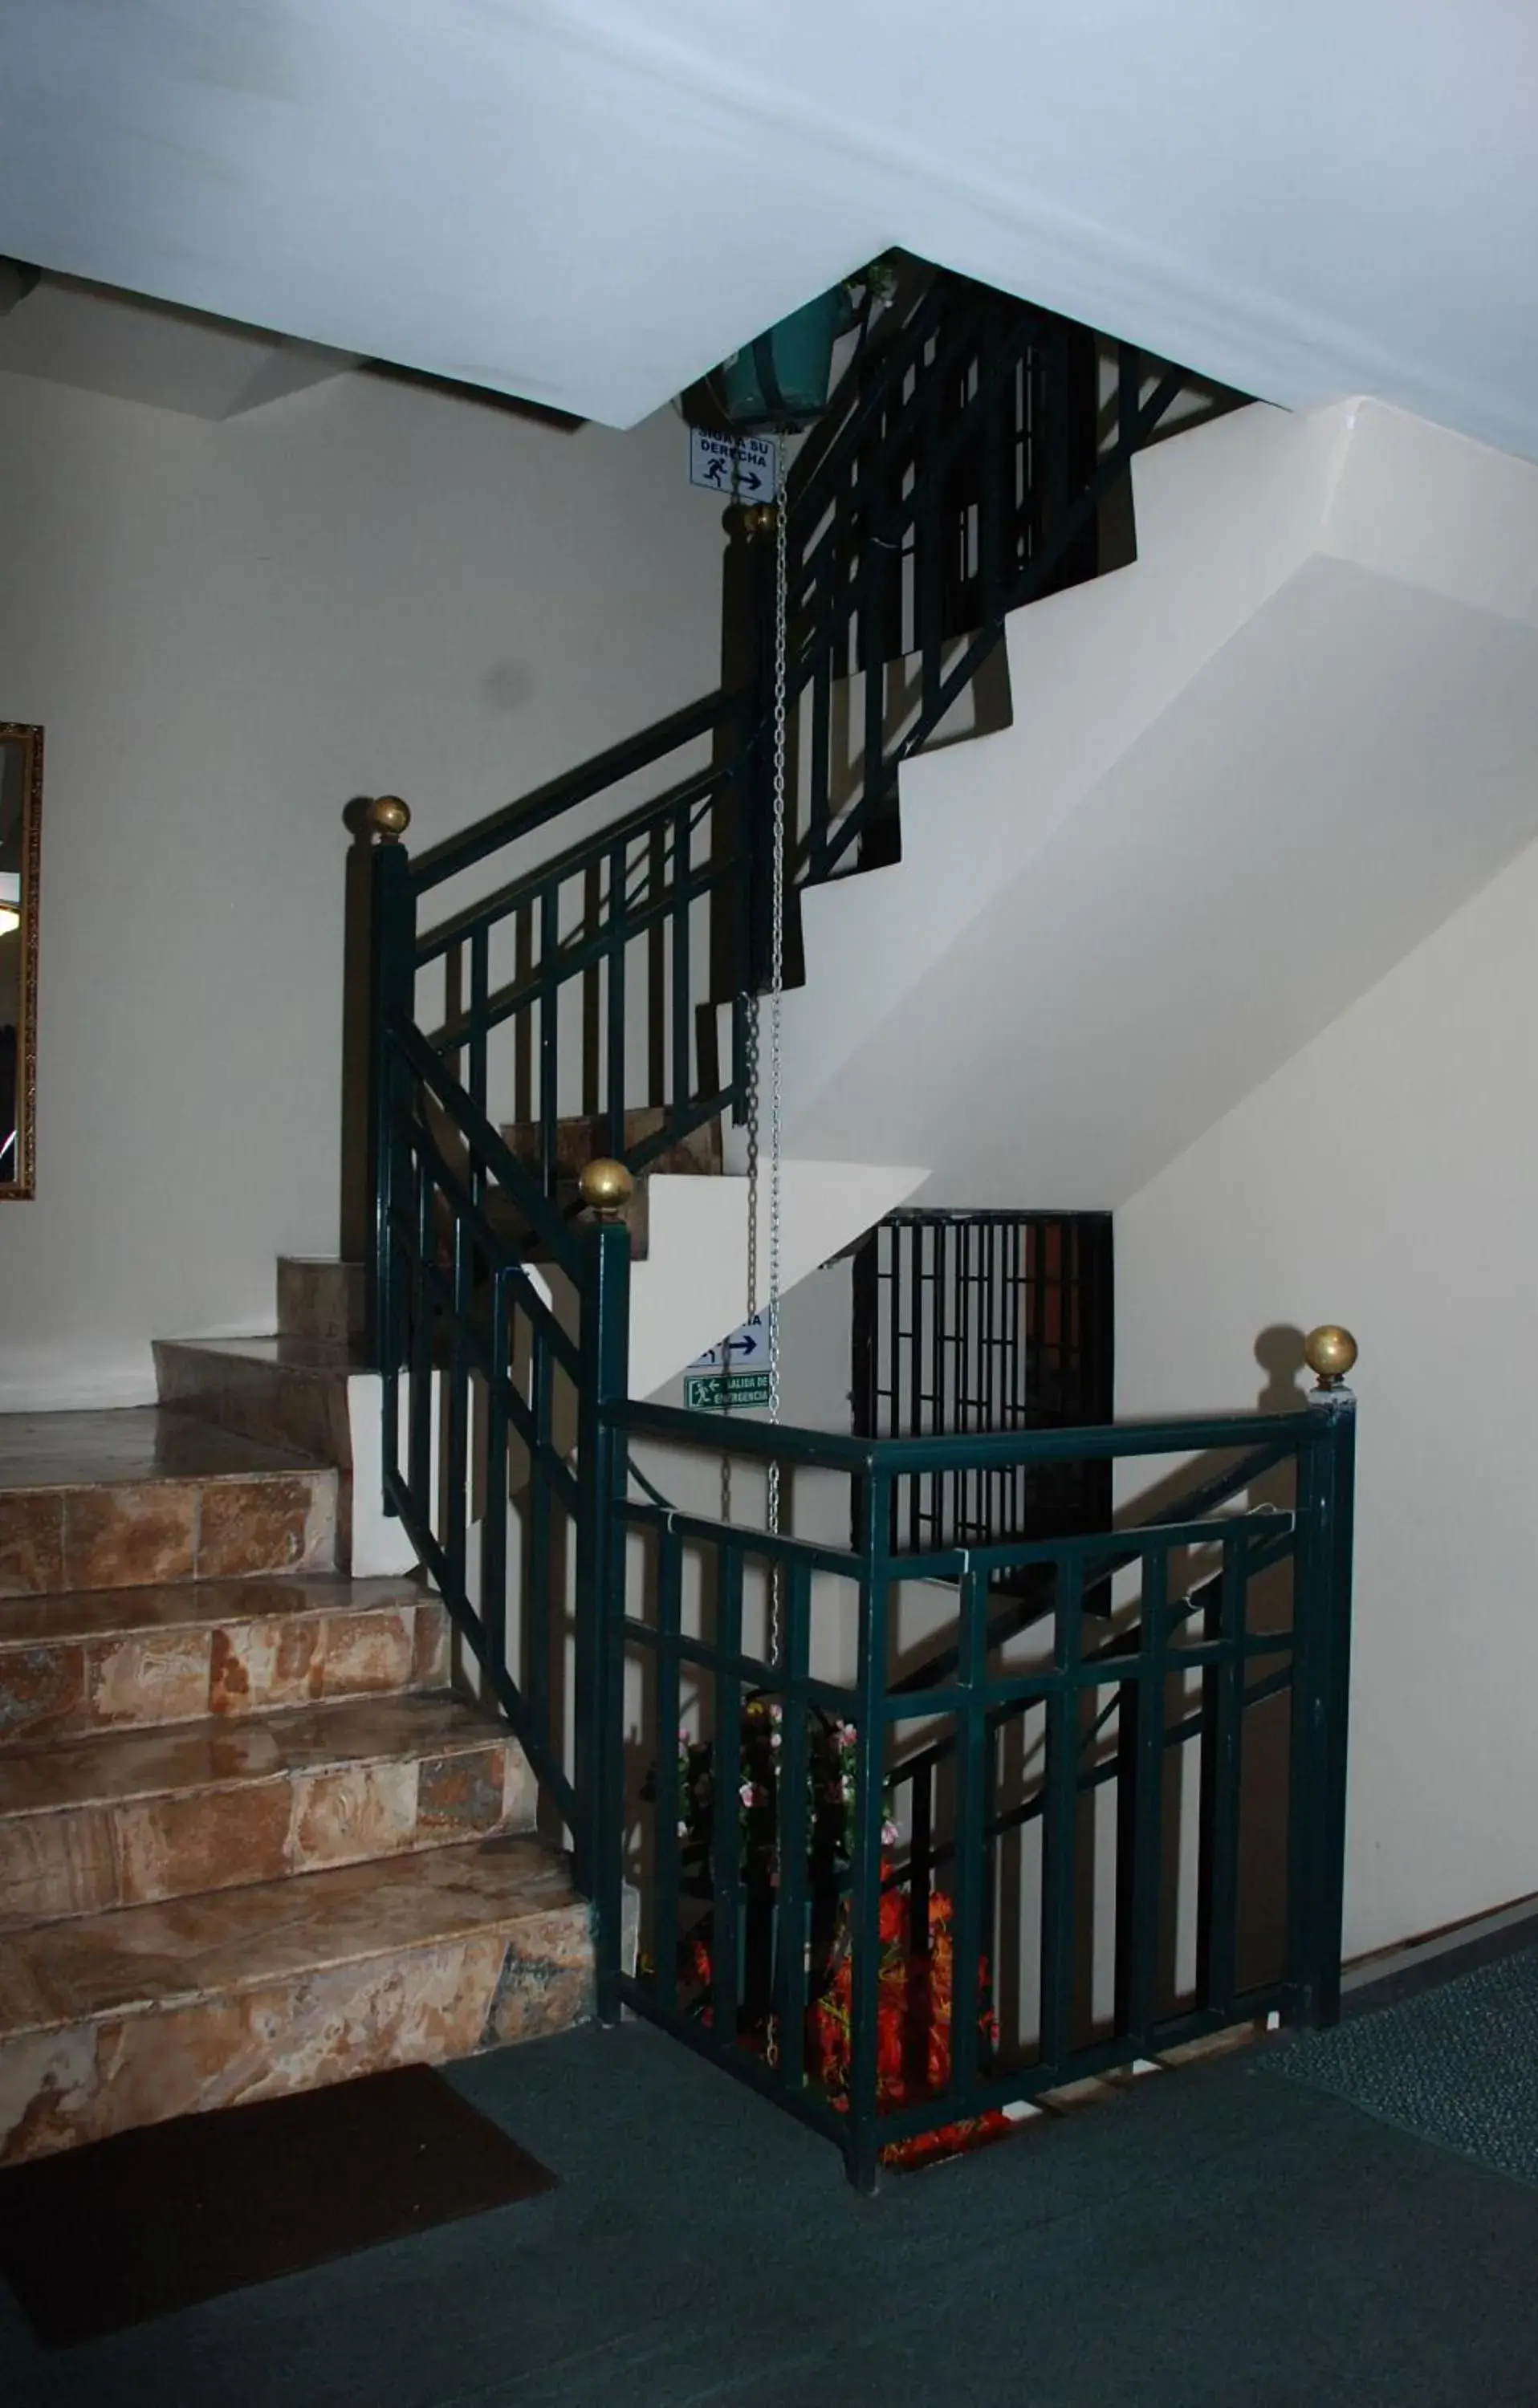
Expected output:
(392, 994)
(1321, 1680)
(599, 1734)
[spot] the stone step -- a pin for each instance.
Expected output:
(130, 2018)
(280, 1391)
(112, 1659)
(141, 1815)
(319, 1296)
(139, 1496)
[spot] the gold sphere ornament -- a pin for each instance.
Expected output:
(1329, 1353)
(760, 518)
(606, 1188)
(389, 818)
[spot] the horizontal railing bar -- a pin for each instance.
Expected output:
(1001, 2089)
(457, 852)
(774, 1546)
(679, 1427)
(562, 866)
(1087, 1443)
(1020, 1614)
(1266, 1553)
(1095, 1443)
(1121, 1548)
(1094, 1776)
(580, 953)
(803, 1688)
(1093, 1672)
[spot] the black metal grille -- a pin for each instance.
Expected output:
(965, 1322)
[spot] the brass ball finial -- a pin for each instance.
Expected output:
(759, 518)
(389, 818)
(1330, 1351)
(606, 1188)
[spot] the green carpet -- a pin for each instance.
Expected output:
(1458, 2064)
(1216, 2239)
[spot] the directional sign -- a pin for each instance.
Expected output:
(731, 1393)
(740, 467)
(745, 1349)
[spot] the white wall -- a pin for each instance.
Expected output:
(1388, 1177)
(229, 631)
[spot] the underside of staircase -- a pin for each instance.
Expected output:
(250, 1841)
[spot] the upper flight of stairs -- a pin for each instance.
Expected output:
(1245, 777)
(249, 1841)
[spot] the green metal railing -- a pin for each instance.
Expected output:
(1225, 1620)
(960, 474)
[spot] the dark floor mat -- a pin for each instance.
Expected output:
(160, 2219)
(1458, 2064)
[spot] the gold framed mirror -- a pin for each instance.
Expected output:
(20, 849)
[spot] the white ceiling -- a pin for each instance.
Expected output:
(588, 202)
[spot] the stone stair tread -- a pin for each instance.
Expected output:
(314, 1357)
(112, 1767)
(131, 1446)
(135, 1959)
(196, 1605)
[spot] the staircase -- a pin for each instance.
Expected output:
(249, 1843)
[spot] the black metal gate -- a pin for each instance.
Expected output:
(965, 1322)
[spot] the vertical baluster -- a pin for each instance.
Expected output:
(793, 1833)
(392, 1000)
(456, 1372)
(874, 574)
(1139, 1797)
(912, 1249)
(494, 1526)
(862, 2149)
(962, 1421)
(480, 997)
(1128, 386)
(1060, 1815)
(617, 964)
(921, 1855)
(1321, 1614)
(994, 401)
(939, 1481)
(420, 1409)
(598, 1716)
(973, 1764)
(726, 1780)
(549, 1009)
(1222, 1733)
(665, 1871)
(928, 562)
(902, 1413)
(682, 986)
(821, 780)
(541, 1607)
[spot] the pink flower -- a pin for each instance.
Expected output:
(747, 1792)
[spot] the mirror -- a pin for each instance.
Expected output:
(21, 815)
